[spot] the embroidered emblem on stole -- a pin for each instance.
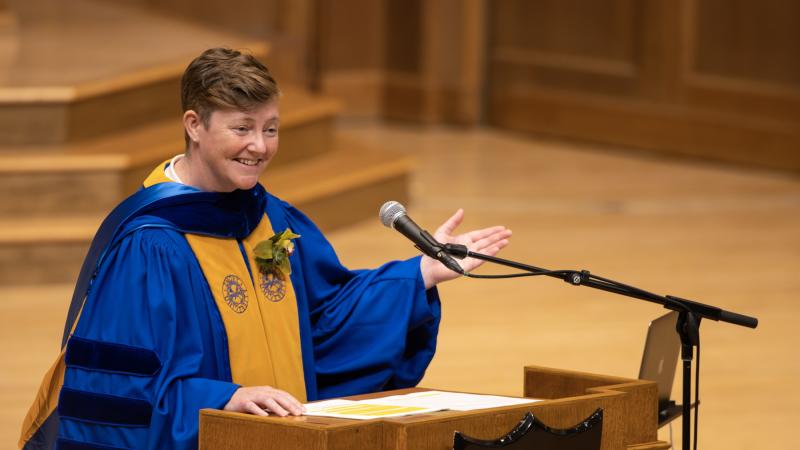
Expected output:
(273, 284)
(234, 293)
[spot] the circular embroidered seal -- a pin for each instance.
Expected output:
(273, 284)
(234, 293)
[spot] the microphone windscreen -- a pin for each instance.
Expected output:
(390, 212)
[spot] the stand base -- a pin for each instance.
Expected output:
(669, 412)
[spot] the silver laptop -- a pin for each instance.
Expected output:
(660, 360)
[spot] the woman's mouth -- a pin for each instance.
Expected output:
(247, 162)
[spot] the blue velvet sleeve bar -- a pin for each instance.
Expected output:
(370, 330)
(149, 303)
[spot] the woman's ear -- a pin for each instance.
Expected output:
(192, 124)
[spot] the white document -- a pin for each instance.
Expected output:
(456, 401)
(407, 404)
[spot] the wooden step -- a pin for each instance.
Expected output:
(81, 70)
(43, 251)
(340, 187)
(349, 185)
(307, 124)
(92, 176)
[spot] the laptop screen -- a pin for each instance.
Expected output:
(660, 356)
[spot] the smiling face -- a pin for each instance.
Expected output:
(232, 151)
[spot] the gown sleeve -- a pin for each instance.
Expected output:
(147, 353)
(371, 330)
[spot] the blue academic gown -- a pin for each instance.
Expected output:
(149, 349)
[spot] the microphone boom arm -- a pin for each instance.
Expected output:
(585, 278)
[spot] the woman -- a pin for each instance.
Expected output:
(198, 293)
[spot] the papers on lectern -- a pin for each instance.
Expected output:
(407, 404)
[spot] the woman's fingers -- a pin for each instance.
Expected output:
(481, 244)
(271, 405)
(282, 403)
(252, 408)
(470, 264)
(477, 235)
(450, 225)
(261, 400)
(495, 249)
(289, 403)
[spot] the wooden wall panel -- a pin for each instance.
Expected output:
(351, 53)
(428, 71)
(352, 35)
(750, 40)
(412, 60)
(404, 36)
(744, 58)
(596, 29)
(448, 72)
(567, 44)
(711, 78)
(405, 96)
(614, 47)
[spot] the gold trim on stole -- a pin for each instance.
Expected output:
(157, 175)
(46, 400)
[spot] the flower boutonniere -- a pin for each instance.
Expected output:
(273, 253)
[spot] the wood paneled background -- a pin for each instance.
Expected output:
(710, 78)
(716, 79)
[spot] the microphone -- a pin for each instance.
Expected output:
(393, 215)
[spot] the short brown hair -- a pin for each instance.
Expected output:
(222, 78)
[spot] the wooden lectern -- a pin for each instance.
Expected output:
(630, 419)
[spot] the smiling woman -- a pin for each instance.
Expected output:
(230, 104)
(231, 150)
(174, 310)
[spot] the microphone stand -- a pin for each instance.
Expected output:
(689, 313)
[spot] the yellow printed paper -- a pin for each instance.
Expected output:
(363, 410)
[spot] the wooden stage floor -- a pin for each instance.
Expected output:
(718, 234)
